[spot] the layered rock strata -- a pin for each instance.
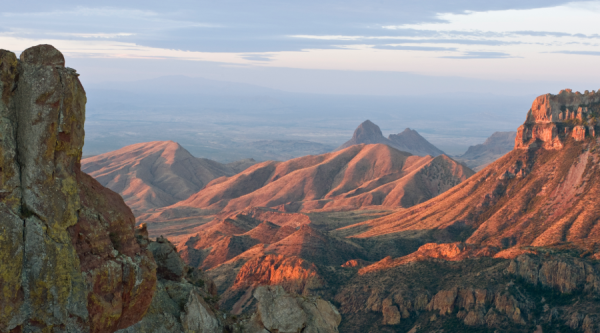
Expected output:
(553, 119)
(69, 261)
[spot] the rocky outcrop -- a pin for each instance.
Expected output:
(448, 251)
(69, 260)
(567, 275)
(554, 289)
(553, 119)
(281, 312)
(185, 299)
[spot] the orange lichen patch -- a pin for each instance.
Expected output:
(8, 72)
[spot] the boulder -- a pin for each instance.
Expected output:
(281, 312)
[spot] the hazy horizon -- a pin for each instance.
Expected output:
(239, 73)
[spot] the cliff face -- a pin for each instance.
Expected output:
(69, 260)
(553, 119)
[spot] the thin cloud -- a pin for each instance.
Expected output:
(481, 55)
(94, 35)
(413, 48)
(592, 53)
(403, 39)
(256, 57)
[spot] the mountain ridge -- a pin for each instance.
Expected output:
(358, 176)
(156, 174)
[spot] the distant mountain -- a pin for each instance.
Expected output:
(356, 177)
(497, 145)
(366, 133)
(156, 174)
(409, 140)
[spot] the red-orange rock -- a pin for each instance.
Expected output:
(553, 117)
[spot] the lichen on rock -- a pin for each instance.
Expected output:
(69, 260)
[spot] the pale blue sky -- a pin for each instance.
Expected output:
(369, 47)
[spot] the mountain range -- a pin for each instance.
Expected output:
(342, 225)
(362, 176)
(364, 239)
(468, 257)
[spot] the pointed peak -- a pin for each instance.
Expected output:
(368, 126)
(367, 129)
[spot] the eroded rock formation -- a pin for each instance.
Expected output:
(552, 119)
(69, 260)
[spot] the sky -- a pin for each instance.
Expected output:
(327, 46)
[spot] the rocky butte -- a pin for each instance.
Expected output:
(552, 119)
(71, 259)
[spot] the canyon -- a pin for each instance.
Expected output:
(368, 238)
(511, 248)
